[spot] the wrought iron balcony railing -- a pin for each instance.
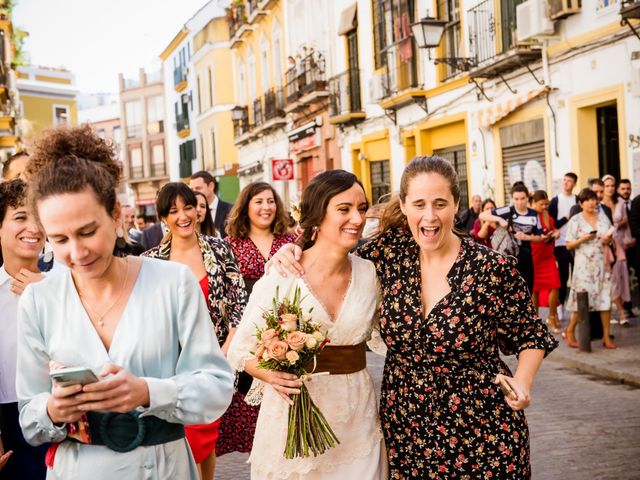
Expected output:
(344, 93)
(306, 76)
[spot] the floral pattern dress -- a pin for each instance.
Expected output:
(590, 273)
(441, 414)
(238, 425)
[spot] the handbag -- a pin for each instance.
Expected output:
(504, 242)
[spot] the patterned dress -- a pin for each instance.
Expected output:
(442, 416)
(238, 425)
(590, 273)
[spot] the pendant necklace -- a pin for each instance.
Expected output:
(96, 314)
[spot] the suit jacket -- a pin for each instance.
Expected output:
(152, 236)
(553, 211)
(222, 212)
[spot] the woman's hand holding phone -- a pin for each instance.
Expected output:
(118, 391)
(62, 405)
(516, 393)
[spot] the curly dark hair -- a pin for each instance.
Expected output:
(70, 159)
(13, 194)
(238, 224)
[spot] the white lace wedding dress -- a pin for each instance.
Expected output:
(347, 401)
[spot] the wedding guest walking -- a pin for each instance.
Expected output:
(525, 225)
(141, 325)
(21, 240)
(589, 235)
(214, 266)
(449, 306)
(546, 276)
(342, 291)
(560, 211)
(257, 228)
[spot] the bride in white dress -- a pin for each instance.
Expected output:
(343, 292)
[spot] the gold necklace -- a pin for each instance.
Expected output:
(100, 317)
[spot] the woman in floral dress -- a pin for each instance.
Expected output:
(589, 235)
(449, 306)
(257, 227)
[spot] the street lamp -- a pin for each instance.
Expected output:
(427, 33)
(237, 113)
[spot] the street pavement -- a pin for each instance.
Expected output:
(583, 426)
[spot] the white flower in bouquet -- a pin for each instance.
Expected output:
(311, 342)
(292, 357)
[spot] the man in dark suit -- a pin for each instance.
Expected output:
(204, 182)
(152, 236)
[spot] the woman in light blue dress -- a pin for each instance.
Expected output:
(141, 325)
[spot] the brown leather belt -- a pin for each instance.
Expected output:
(340, 359)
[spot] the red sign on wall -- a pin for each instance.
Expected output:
(282, 169)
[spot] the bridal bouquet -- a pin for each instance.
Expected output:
(289, 343)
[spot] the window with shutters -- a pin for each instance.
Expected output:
(523, 156)
(380, 177)
(458, 157)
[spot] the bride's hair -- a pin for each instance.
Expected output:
(316, 197)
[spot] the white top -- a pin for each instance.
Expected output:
(348, 402)
(8, 337)
(565, 202)
(164, 336)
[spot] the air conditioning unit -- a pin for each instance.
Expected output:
(563, 8)
(532, 21)
(377, 87)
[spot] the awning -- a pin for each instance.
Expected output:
(348, 19)
(500, 109)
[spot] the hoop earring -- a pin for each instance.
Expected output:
(314, 233)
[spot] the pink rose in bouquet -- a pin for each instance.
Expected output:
(296, 340)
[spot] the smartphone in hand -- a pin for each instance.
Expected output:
(72, 376)
(506, 389)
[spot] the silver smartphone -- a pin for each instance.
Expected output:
(72, 376)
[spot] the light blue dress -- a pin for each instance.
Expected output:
(164, 336)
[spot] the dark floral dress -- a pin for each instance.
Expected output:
(442, 416)
(238, 425)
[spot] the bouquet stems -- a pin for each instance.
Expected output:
(308, 432)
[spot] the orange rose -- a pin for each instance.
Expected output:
(268, 335)
(278, 350)
(289, 321)
(260, 351)
(296, 340)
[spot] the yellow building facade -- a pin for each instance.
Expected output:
(214, 87)
(47, 98)
(10, 140)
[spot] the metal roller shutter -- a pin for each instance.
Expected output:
(526, 163)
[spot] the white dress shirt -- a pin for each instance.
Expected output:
(8, 339)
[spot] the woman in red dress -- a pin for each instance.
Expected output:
(257, 228)
(546, 276)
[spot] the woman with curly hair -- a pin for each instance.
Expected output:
(212, 263)
(140, 325)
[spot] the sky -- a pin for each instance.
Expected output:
(97, 39)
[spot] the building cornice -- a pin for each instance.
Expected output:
(177, 40)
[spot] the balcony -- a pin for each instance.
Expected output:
(258, 116)
(180, 78)
(134, 131)
(493, 44)
(158, 170)
(345, 105)
(237, 18)
(273, 104)
(305, 82)
(400, 84)
(182, 124)
(136, 172)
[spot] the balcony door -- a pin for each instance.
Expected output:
(354, 71)
(608, 143)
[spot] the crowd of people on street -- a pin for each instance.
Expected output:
(165, 317)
